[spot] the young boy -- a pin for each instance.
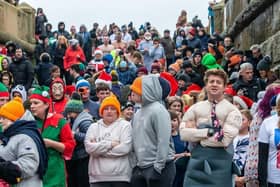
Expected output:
(240, 145)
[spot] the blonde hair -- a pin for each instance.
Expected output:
(188, 100)
(63, 39)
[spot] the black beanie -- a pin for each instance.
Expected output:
(184, 77)
(264, 64)
(165, 87)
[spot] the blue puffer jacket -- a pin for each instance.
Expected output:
(126, 77)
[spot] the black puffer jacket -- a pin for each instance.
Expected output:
(23, 72)
(250, 89)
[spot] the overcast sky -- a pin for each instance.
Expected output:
(161, 13)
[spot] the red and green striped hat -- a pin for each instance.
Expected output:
(4, 90)
(41, 93)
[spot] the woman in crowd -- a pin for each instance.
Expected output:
(109, 141)
(4, 64)
(269, 150)
(59, 51)
(40, 21)
(57, 136)
(7, 79)
(176, 104)
(263, 111)
(23, 155)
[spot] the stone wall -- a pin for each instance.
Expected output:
(263, 29)
(17, 24)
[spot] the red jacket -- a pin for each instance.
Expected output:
(73, 57)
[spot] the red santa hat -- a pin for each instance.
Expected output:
(98, 51)
(172, 81)
(230, 91)
(3, 50)
(192, 87)
(69, 90)
(243, 101)
(104, 78)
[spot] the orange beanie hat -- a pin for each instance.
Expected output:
(110, 101)
(12, 110)
(235, 59)
(137, 86)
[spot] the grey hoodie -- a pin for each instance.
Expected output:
(152, 128)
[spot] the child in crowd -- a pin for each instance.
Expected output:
(181, 151)
(241, 144)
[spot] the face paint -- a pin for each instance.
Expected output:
(57, 91)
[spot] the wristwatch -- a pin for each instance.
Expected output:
(210, 132)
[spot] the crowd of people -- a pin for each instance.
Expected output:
(120, 106)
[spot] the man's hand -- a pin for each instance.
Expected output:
(114, 143)
(239, 181)
(180, 155)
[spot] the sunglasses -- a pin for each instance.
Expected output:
(83, 90)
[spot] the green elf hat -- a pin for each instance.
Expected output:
(41, 93)
(210, 62)
(4, 90)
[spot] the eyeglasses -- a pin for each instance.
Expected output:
(83, 90)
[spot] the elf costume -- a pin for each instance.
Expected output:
(4, 92)
(54, 127)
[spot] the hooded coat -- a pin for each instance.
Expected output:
(152, 124)
(43, 69)
(20, 148)
(23, 72)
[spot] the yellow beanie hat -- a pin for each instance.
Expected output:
(110, 101)
(13, 110)
(137, 86)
